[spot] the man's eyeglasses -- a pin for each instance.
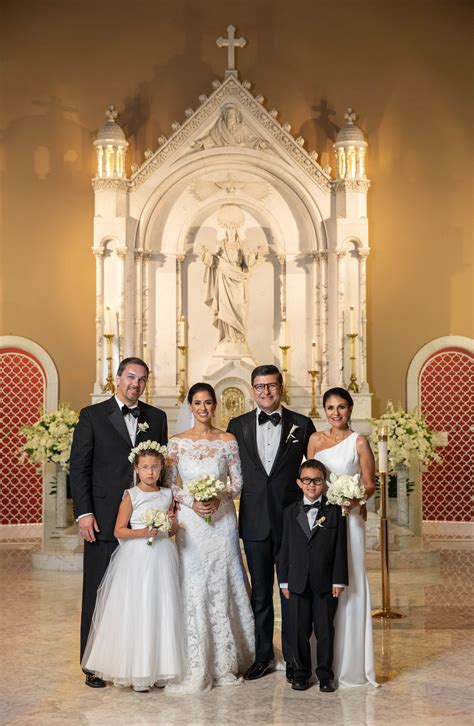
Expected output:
(307, 480)
(153, 467)
(259, 387)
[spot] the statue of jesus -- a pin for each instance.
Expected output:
(226, 278)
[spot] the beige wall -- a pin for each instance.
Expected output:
(403, 65)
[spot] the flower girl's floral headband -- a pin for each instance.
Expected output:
(147, 446)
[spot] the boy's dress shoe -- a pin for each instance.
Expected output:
(300, 683)
(94, 681)
(327, 686)
(290, 672)
(258, 669)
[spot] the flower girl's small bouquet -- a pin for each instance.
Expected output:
(156, 518)
(343, 488)
(205, 489)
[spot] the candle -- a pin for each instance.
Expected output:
(108, 322)
(182, 331)
(313, 356)
(284, 333)
(118, 326)
(352, 322)
(383, 450)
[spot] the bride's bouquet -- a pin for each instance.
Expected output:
(156, 518)
(343, 488)
(205, 489)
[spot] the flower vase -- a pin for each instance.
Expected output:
(402, 495)
(61, 498)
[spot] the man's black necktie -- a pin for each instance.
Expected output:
(133, 411)
(273, 417)
(314, 505)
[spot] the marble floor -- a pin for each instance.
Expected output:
(424, 662)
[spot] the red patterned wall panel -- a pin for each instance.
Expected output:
(22, 394)
(447, 401)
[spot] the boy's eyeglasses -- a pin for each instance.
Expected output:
(307, 480)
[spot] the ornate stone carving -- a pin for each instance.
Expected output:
(232, 404)
(175, 125)
(162, 140)
(148, 153)
(273, 112)
(189, 112)
(300, 141)
(118, 185)
(352, 185)
(259, 99)
(286, 127)
(202, 189)
(230, 130)
(202, 98)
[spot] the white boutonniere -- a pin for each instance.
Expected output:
(142, 427)
(319, 522)
(290, 435)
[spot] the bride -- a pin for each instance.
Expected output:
(344, 451)
(217, 613)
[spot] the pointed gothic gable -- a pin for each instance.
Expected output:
(263, 123)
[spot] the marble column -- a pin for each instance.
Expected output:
(341, 254)
(99, 316)
(324, 317)
(362, 328)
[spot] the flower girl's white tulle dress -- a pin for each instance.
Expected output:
(137, 636)
(353, 645)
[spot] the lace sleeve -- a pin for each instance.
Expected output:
(235, 468)
(170, 478)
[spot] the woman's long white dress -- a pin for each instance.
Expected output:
(137, 632)
(353, 644)
(219, 623)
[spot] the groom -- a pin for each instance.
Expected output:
(272, 442)
(100, 472)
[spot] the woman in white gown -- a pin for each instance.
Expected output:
(344, 451)
(218, 616)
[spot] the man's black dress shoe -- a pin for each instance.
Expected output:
(327, 686)
(290, 672)
(259, 669)
(300, 684)
(94, 681)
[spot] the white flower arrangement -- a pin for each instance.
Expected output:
(343, 488)
(408, 436)
(156, 518)
(205, 489)
(49, 439)
(147, 446)
(142, 427)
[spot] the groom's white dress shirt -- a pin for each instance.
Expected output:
(268, 439)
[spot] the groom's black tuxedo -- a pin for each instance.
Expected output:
(262, 501)
(311, 562)
(265, 496)
(100, 472)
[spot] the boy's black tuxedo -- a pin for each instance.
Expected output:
(311, 562)
(100, 472)
(262, 502)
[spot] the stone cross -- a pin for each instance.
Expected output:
(231, 43)
(350, 116)
(111, 113)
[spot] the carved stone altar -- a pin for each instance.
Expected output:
(232, 186)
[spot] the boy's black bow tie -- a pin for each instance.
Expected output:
(273, 417)
(314, 505)
(133, 411)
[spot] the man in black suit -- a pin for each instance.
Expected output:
(272, 442)
(313, 571)
(100, 472)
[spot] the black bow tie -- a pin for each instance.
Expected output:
(263, 417)
(133, 411)
(314, 505)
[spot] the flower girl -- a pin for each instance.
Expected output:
(136, 638)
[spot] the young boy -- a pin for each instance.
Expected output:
(313, 572)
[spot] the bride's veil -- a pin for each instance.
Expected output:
(185, 418)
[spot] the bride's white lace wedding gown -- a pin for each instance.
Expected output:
(219, 623)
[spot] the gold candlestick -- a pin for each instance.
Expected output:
(313, 412)
(353, 385)
(109, 386)
(182, 373)
(285, 396)
(385, 611)
(149, 387)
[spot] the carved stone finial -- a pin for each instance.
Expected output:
(314, 155)
(111, 113)
(247, 85)
(273, 113)
(135, 168)
(300, 140)
(162, 140)
(202, 98)
(189, 112)
(175, 125)
(350, 116)
(259, 99)
(148, 153)
(231, 43)
(286, 127)
(216, 84)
